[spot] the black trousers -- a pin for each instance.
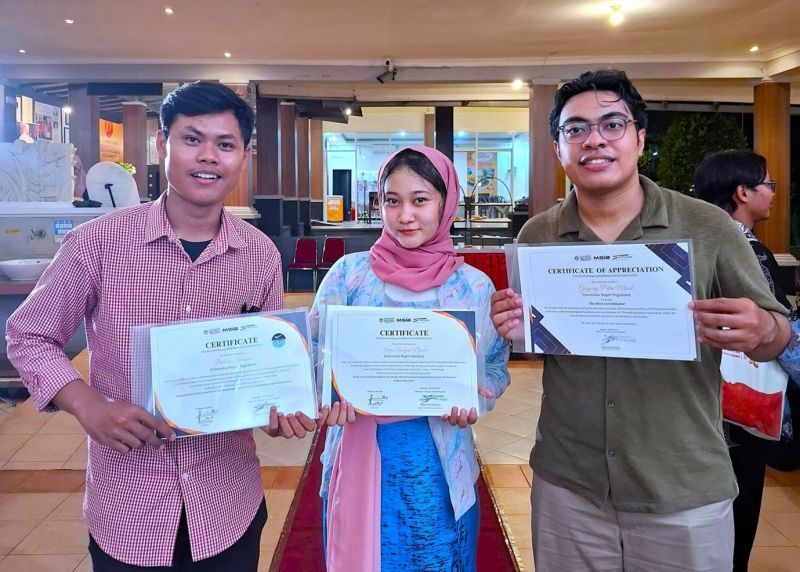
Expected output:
(749, 459)
(241, 556)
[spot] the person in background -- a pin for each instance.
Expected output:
(738, 182)
(428, 516)
(24, 133)
(154, 502)
(631, 467)
(79, 175)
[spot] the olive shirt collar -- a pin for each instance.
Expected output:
(654, 214)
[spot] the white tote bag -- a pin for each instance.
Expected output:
(753, 394)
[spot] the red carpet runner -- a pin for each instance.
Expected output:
(300, 545)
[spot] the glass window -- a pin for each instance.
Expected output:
(491, 164)
(340, 153)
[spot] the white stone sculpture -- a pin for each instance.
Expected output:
(36, 172)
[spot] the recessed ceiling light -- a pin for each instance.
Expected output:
(67, 109)
(21, 51)
(517, 84)
(754, 49)
(348, 111)
(69, 21)
(169, 11)
(227, 54)
(617, 17)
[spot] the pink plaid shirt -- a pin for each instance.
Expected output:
(121, 270)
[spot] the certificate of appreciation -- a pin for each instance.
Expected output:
(609, 300)
(225, 374)
(400, 361)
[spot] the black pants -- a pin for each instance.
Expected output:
(749, 459)
(241, 556)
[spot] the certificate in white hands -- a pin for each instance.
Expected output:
(225, 374)
(610, 300)
(400, 361)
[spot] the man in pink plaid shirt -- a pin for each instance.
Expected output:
(154, 502)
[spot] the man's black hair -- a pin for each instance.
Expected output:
(202, 97)
(603, 80)
(719, 175)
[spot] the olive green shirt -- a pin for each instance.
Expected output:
(645, 434)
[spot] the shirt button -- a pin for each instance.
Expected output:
(188, 309)
(185, 476)
(611, 452)
(611, 403)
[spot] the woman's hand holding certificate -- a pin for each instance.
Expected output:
(400, 361)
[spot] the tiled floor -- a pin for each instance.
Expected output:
(43, 457)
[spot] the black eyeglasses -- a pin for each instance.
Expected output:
(771, 184)
(610, 129)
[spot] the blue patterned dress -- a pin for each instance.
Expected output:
(424, 461)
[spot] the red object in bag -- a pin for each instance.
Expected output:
(745, 406)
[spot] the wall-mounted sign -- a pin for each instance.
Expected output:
(110, 141)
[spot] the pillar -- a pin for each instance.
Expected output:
(317, 159)
(134, 141)
(288, 163)
(545, 174)
(444, 130)
(303, 173)
(771, 139)
(430, 130)
(8, 114)
(84, 124)
(267, 197)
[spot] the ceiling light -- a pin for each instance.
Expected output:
(617, 17)
(21, 51)
(348, 111)
(67, 109)
(517, 84)
(754, 49)
(227, 54)
(169, 11)
(69, 21)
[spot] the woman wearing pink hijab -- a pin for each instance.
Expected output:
(399, 493)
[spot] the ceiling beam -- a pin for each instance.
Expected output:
(429, 72)
(786, 65)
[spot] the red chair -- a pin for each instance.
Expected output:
(305, 258)
(332, 250)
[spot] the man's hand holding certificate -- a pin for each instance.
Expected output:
(400, 361)
(610, 300)
(226, 374)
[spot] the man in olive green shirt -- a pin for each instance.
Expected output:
(631, 467)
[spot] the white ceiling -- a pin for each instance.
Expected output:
(677, 46)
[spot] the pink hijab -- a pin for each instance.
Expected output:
(432, 263)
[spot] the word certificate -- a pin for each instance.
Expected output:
(400, 361)
(226, 374)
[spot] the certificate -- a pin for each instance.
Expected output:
(225, 374)
(610, 300)
(400, 361)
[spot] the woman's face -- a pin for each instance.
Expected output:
(412, 208)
